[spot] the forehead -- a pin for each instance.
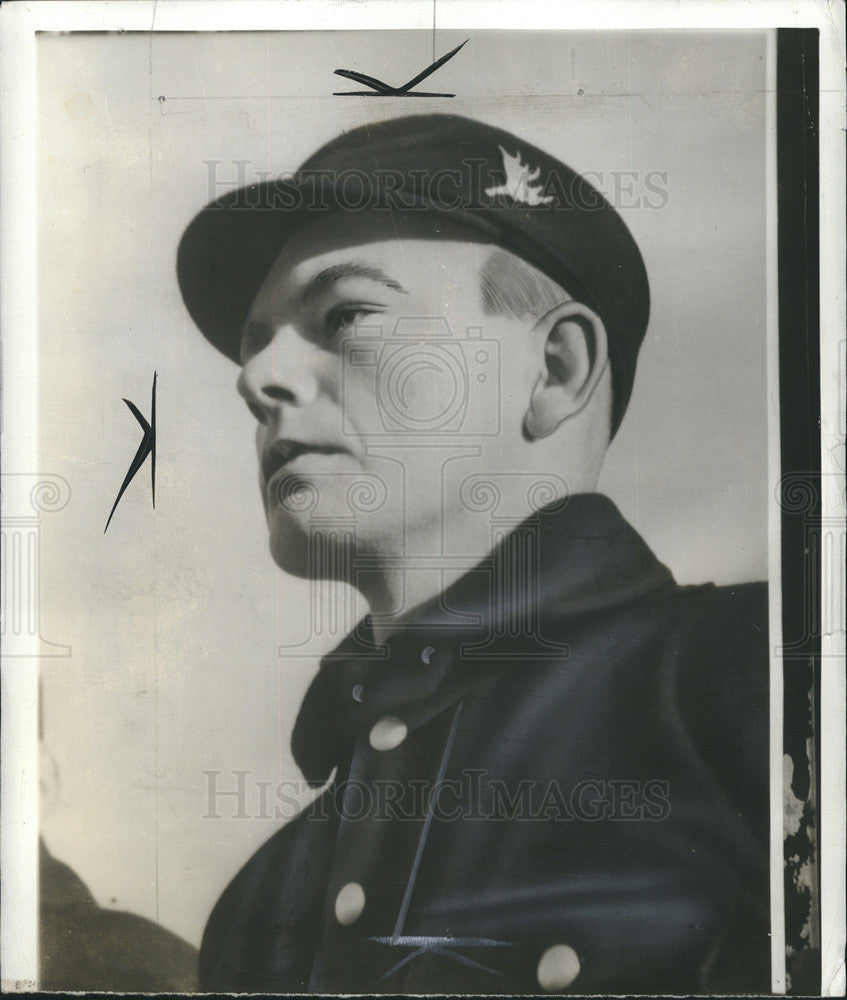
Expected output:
(417, 250)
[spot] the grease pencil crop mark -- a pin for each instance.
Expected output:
(380, 89)
(145, 448)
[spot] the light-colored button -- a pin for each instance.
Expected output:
(388, 733)
(349, 903)
(558, 968)
(357, 692)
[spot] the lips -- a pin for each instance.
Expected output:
(285, 450)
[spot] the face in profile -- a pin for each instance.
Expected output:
(367, 356)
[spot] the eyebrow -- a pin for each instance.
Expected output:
(329, 275)
(349, 269)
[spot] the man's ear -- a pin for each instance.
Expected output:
(575, 357)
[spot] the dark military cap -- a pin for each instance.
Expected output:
(484, 177)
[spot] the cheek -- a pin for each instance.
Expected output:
(261, 439)
(428, 386)
(356, 399)
(523, 363)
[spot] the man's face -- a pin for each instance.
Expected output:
(369, 365)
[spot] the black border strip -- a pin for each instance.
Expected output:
(800, 496)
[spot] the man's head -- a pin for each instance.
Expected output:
(424, 292)
(400, 341)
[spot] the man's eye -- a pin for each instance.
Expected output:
(343, 319)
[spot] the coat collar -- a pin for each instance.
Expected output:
(571, 559)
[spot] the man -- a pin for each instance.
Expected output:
(548, 761)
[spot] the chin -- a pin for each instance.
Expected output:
(308, 550)
(290, 550)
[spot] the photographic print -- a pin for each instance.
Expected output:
(427, 577)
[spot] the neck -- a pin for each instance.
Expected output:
(410, 575)
(413, 570)
(404, 588)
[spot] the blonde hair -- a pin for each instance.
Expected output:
(511, 286)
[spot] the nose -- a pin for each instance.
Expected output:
(281, 373)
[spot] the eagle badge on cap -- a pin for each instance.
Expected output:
(518, 181)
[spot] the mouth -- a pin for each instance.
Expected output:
(283, 452)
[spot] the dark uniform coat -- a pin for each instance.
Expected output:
(560, 785)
